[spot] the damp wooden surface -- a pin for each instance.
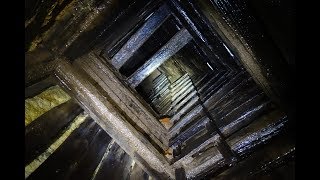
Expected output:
(78, 155)
(125, 167)
(43, 102)
(124, 25)
(140, 36)
(39, 72)
(229, 41)
(259, 164)
(179, 40)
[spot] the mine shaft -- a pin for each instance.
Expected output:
(159, 89)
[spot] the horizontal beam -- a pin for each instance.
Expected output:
(140, 37)
(178, 41)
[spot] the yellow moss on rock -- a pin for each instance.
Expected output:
(38, 105)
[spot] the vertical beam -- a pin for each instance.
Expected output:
(114, 123)
(140, 37)
(178, 41)
(204, 34)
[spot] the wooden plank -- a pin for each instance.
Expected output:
(203, 158)
(178, 41)
(204, 34)
(139, 37)
(39, 71)
(78, 155)
(39, 87)
(40, 133)
(116, 165)
(119, 29)
(257, 55)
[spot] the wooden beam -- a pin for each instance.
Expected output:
(140, 37)
(38, 87)
(178, 41)
(77, 157)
